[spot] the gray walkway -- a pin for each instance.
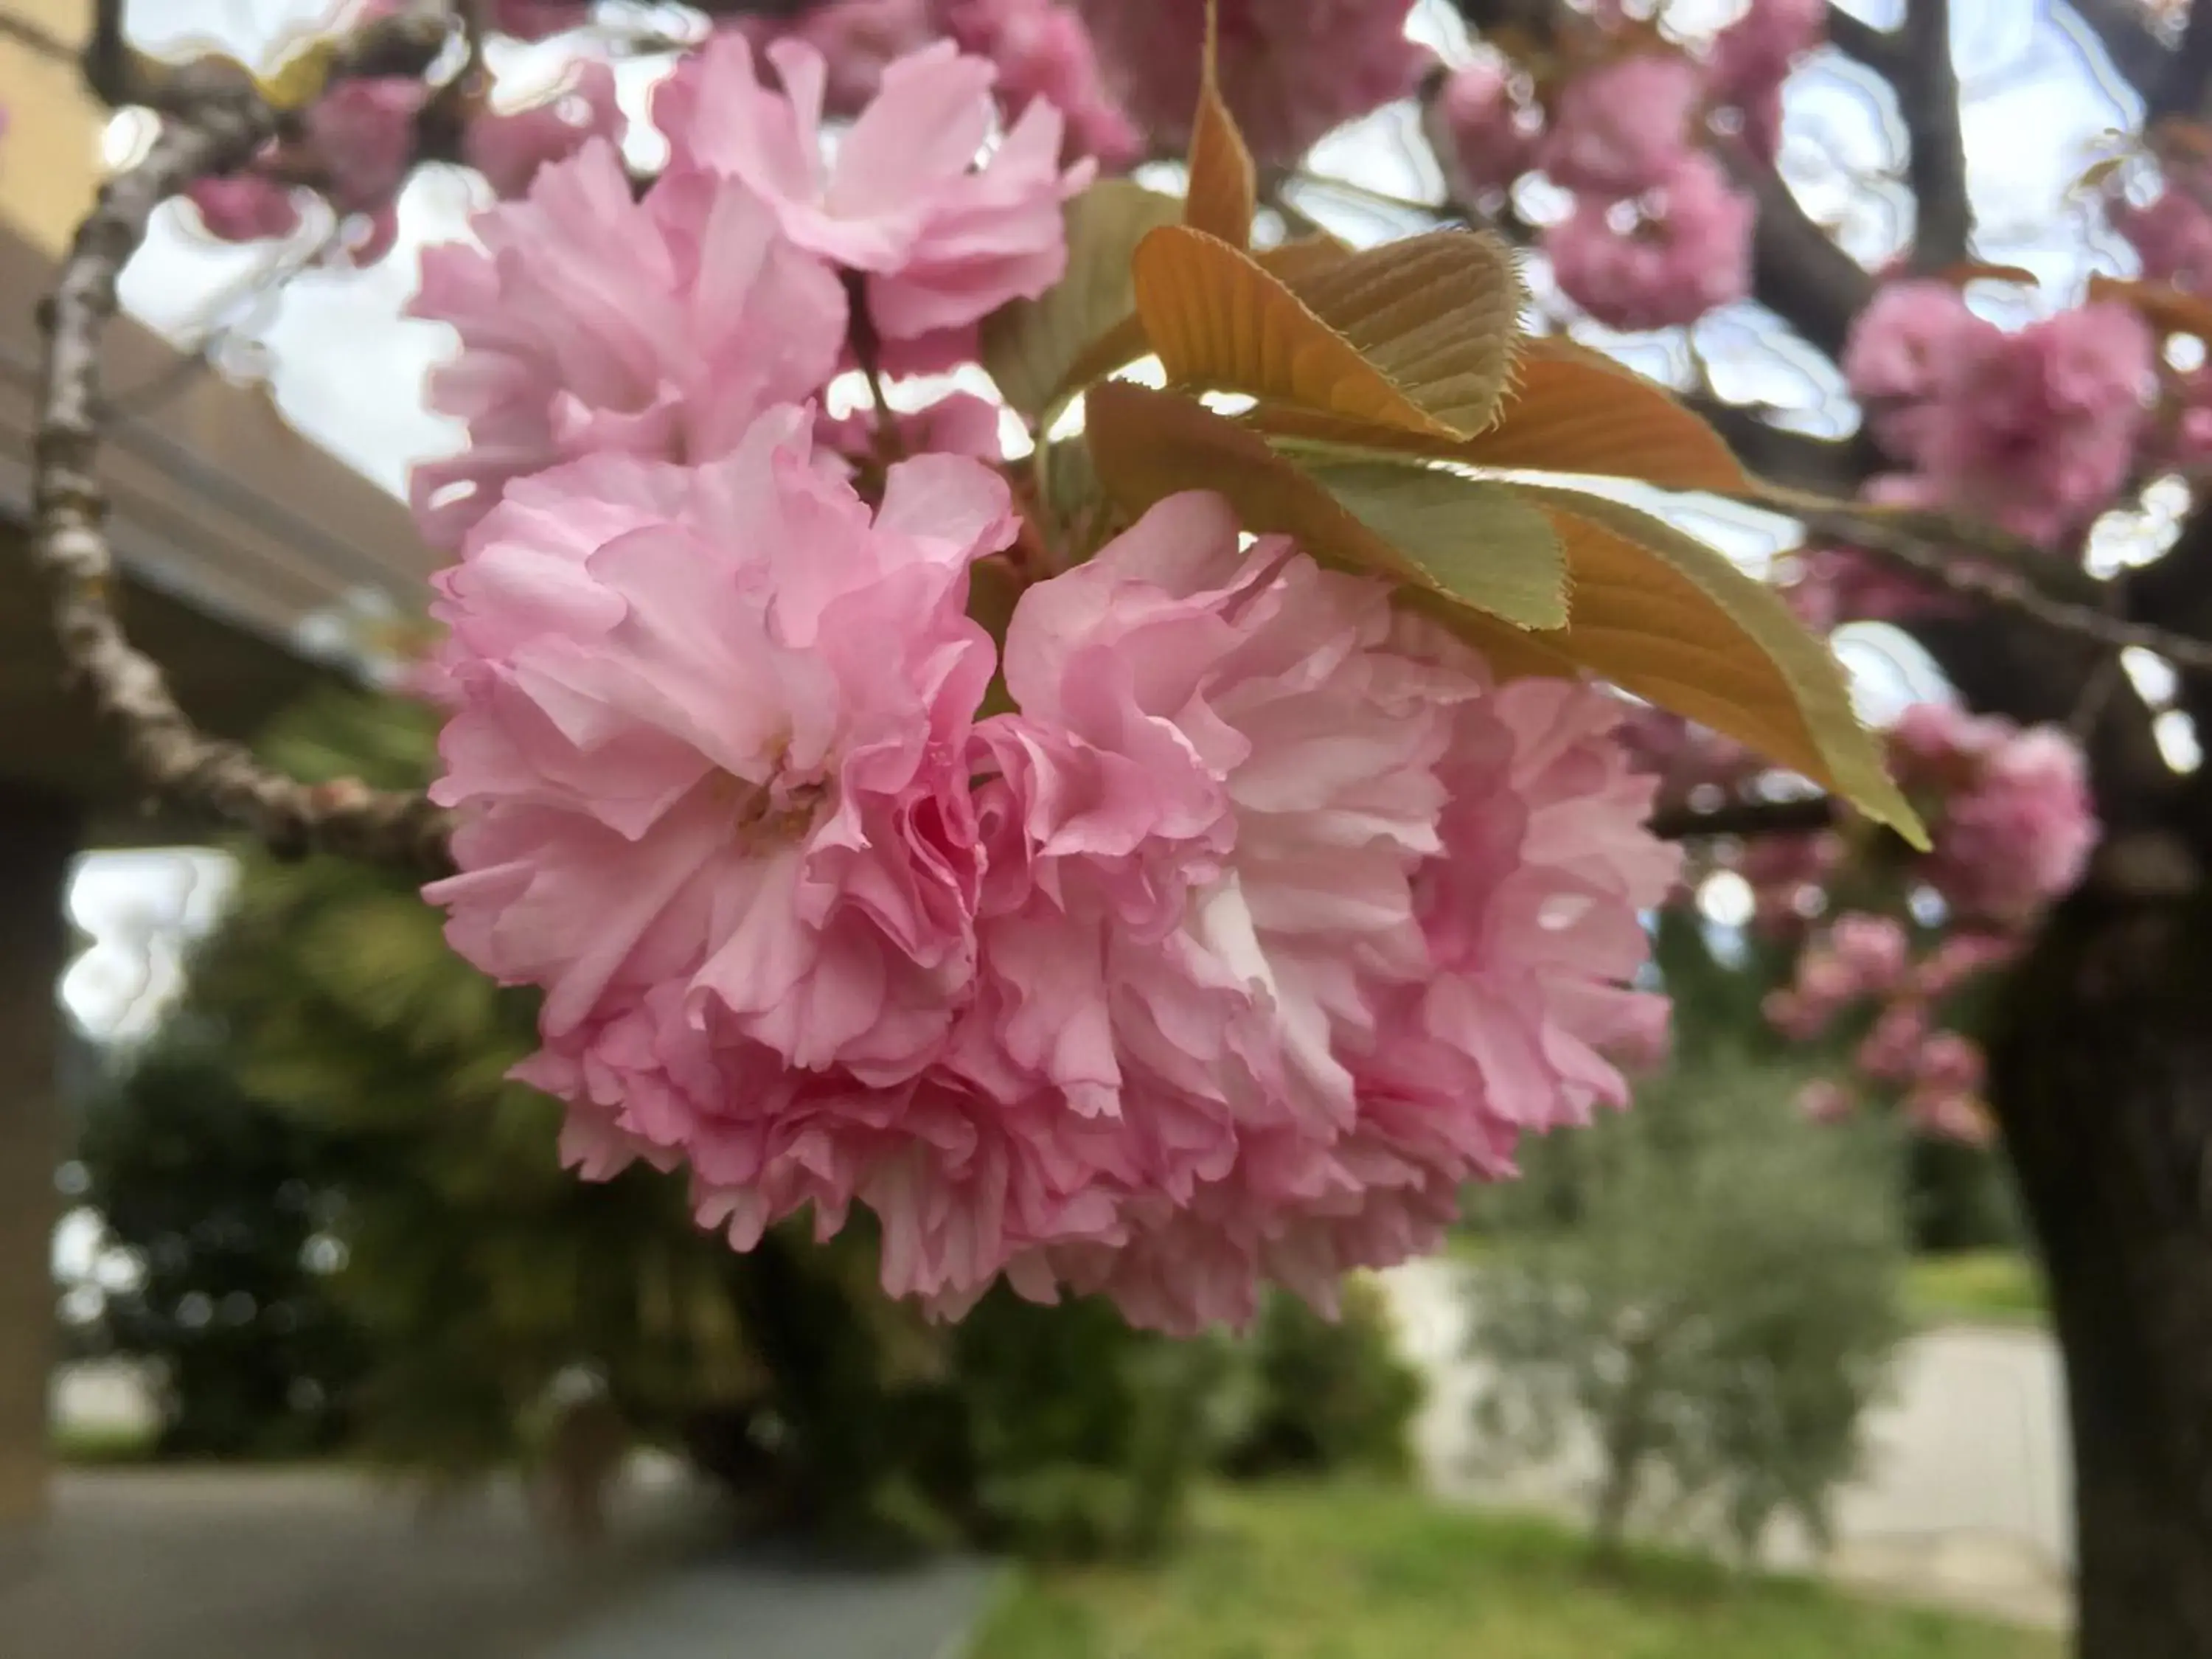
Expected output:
(1964, 1499)
(324, 1565)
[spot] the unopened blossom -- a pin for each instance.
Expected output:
(942, 241)
(1623, 127)
(509, 147)
(1288, 890)
(591, 320)
(1290, 71)
(2171, 234)
(1753, 57)
(709, 744)
(1043, 50)
(244, 207)
(1688, 252)
(1492, 129)
(2038, 429)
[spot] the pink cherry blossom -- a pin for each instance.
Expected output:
(1688, 252)
(1786, 874)
(2172, 235)
(508, 148)
(361, 135)
(942, 241)
(711, 736)
(2010, 814)
(1625, 127)
(1753, 55)
(1914, 338)
(1948, 1064)
(2021, 837)
(1493, 129)
(857, 39)
(1873, 949)
(1957, 960)
(2039, 429)
(1825, 1101)
(1288, 891)
(1891, 1051)
(591, 320)
(1043, 50)
(958, 423)
(1291, 70)
(244, 207)
(1831, 585)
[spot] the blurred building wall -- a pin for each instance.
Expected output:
(50, 160)
(49, 166)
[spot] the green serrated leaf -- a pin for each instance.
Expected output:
(1469, 540)
(1032, 347)
(1659, 613)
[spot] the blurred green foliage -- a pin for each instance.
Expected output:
(1717, 1317)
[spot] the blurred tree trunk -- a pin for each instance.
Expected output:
(38, 838)
(2102, 1076)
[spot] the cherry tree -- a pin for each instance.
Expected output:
(997, 672)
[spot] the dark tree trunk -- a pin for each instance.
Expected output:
(2102, 1078)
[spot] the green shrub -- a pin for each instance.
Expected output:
(1325, 1396)
(1720, 1314)
(225, 1205)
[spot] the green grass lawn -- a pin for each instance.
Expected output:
(1348, 1572)
(1986, 1287)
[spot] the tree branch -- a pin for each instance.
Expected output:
(1862, 42)
(2135, 51)
(1798, 271)
(2180, 90)
(1927, 83)
(1997, 568)
(1746, 818)
(217, 123)
(1823, 466)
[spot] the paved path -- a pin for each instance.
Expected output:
(1964, 1499)
(321, 1564)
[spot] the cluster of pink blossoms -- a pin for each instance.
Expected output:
(2036, 430)
(361, 141)
(1264, 920)
(2010, 817)
(1657, 235)
(1290, 71)
(1863, 965)
(1041, 49)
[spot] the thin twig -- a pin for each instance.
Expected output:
(1746, 818)
(1997, 568)
(216, 122)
